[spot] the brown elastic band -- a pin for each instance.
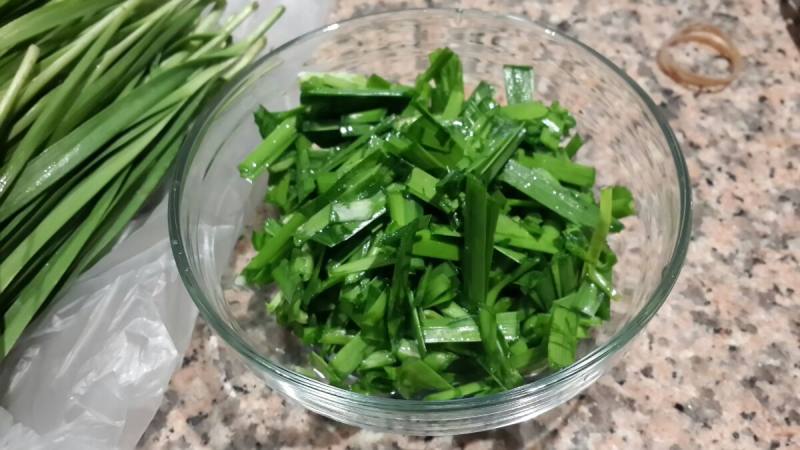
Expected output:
(707, 35)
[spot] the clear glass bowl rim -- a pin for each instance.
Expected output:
(550, 381)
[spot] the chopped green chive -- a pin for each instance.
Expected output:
(447, 247)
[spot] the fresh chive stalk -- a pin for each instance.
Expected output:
(95, 101)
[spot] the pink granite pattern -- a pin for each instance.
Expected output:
(719, 367)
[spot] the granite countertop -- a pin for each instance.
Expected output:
(718, 368)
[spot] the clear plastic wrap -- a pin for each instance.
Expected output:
(91, 371)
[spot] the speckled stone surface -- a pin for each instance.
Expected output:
(718, 368)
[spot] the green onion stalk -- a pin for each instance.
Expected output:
(95, 101)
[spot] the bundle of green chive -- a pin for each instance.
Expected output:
(431, 245)
(95, 99)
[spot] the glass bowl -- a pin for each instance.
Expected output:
(628, 140)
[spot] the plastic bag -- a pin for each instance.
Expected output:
(91, 371)
(95, 365)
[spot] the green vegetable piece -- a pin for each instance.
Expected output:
(347, 360)
(270, 149)
(537, 326)
(517, 257)
(523, 357)
(464, 329)
(481, 214)
(361, 265)
(288, 308)
(451, 330)
(440, 361)
(58, 103)
(499, 366)
(33, 296)
(315, 224)
(550, 138)
(447, 96)
(563, 170)
(622, 203)
(282, 165)
(94, 131)
(71, 204)
(478, 105)
(598, 242)
(335, 336)
(398, 291)
(586, 300)
(565, 278)
(365, 117)
(119, 67)
(311, 336)
(515, 275)
(324, 102)
(432, 248)
(601, 281)
(358, 210)
(422, 185)
(444, 231)
(322, 367)
(539, 185)
(511, 233)
(57, 160)
(505, 145)
(462, 391)
(438, 285)
(324, 133)
(414, 377)
(21, 76)
(305, 174)
(376, 359)
(138, 188)
(402, 210)
(426, 187)
(47, 17)
(376, 310)
(267, 121)
(279, 195)
(339, 80)
(350, 152)
(406, 350)
(525, 111)
(573, 146)
(519, 84)
(562, 342)
(325, 181)
(454, 310)
(416, 322)
(260, 266)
